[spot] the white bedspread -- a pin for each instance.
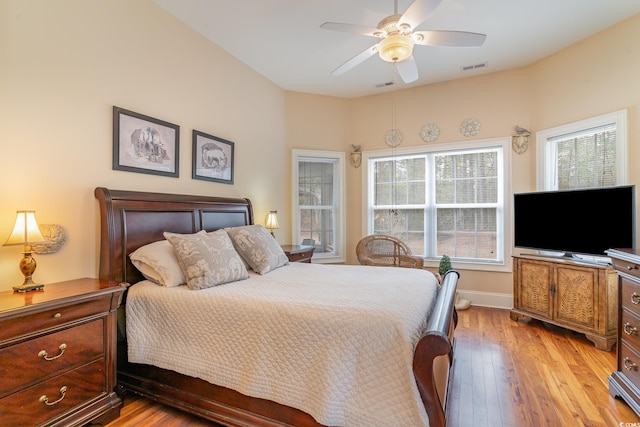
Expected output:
(334, 341)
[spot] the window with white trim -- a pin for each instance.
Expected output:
(442, 202)
(585, 154)
(318, 203)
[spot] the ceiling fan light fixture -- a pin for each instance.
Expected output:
(395, 48)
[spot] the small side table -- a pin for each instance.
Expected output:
(298, 253)
(59, 343)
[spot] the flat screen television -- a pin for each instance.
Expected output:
(583, 222)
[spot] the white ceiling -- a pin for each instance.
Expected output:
(282, 39)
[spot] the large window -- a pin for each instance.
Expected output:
(586, 154)
(318, 217)
(441, 202)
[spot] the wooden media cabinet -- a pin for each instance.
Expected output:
(571, 294)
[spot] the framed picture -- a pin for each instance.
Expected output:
(212, 158)
(144, 144)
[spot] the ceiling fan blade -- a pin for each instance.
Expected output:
(352, 28)
(418, 11)
(448, 38)
(407, 69)
(361, 57)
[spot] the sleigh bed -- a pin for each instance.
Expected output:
(132, 220)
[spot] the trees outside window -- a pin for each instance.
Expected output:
(318, 214)
(585, 154)
(449, 202)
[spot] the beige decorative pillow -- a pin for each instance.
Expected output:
(158, 263)
(207, 259)
(257, 247)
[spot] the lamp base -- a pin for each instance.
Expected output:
(28, 287)
(27, 267)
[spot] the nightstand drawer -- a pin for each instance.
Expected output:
(298, 253)
(30, 323)
(301, 256)
(23, 364)
(46, 400)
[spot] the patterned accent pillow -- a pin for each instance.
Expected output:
(207, 259)
(257, 247)
(158, 263)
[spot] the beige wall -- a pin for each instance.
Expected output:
(595, 76)
(499, 101)
(65, 64)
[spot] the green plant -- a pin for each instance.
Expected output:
(445, 265)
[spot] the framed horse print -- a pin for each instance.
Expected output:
(212, 158)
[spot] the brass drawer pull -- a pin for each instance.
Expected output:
(57, 315)
(629, 330)
(635, 298)
(44, 355)
(44, 399)
(629, 365)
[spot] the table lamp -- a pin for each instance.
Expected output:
(26, 232)
(271, 222)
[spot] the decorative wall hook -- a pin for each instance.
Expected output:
(356, 156)
(520, 141)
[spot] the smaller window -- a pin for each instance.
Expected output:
(586, 154)
(318, 203)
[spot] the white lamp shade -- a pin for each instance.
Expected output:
(26, 230)
(272, 221)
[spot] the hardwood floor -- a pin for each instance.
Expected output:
(506, 373)
(525, 373)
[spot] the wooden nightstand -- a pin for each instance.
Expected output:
(58, 354)
(298, 253)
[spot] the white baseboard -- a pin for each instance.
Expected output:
(487, 299)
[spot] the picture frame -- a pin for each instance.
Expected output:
(212, 158)
(145, 144)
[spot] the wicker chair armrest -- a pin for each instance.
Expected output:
(366, 261)
(410, 261)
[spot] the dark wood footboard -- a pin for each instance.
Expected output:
(433, 357)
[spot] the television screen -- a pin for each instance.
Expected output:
(577, 221)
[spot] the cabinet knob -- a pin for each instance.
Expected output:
(44, 355)
(44, 399)
(629, 365)
(629, 330)
(57, 316)
(635, 298)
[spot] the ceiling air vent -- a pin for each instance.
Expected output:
(473, 67)
(379, 85)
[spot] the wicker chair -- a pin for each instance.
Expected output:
(384, 250)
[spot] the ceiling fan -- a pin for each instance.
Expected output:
(397, 38)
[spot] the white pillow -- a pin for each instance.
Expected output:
(207, 259)
(257, 247)
(157, 262)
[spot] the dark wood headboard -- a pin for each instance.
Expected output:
(131, 219)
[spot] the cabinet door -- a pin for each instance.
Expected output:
(532, 287)
(576, 295)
